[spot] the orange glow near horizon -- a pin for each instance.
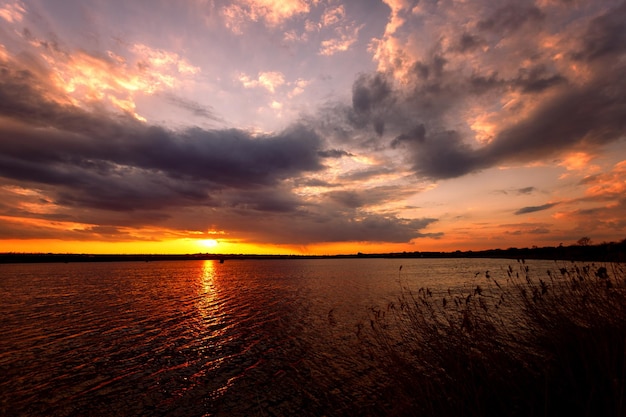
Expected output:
(467, 230)
(482, 239)
(175, 247)
(191, 246)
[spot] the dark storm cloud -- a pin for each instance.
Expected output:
(351, 199)
(326, 226)
(417, 135)
(432, 69)
(268, 199)
(121, 139)
(605, 36)
(419, 113)
(333, 153)
(368, 91)
(533, 209)
(480, 84)
(113, 171)
(538, 79)
(116, 158)
(314, 182)
(370, 95)
(372, 228)
(365, 174)
(357, 198)
(442, 154)
(468, 42)
(510, 17)
(589, 115)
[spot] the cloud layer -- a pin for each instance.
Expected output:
(552, 95)
(86, 164)
(89, 150)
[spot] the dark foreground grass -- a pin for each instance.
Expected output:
(516, 345)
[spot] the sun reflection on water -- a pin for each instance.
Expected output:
(215, 319)
(209, 302)
(208, 275)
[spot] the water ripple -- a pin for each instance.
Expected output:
(192, 338)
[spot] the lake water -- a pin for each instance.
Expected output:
(196, 338)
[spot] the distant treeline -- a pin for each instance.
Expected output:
(604, 252)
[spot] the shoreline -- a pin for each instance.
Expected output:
(606, 252)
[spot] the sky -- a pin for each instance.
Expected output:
(310, 126)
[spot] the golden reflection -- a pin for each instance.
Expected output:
(208, 275)
(209, 303)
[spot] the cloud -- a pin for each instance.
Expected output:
(578, 161)
(471, 96)
(101, 79)
(366, 174)
(607, 185)
(438, 155)
(271, 13)
(550, 128)
(13, 12)
(344, 39)
(604, 36)
(53, 143)
(527, 229)
(333, 15)
(333, 153)
(269, 80)
(510, 17)
(517, 191)
(193, 107)
(325, 227)
(300, 85)
(533, 209)
(456, 90)
(158, 58)
(106, 175)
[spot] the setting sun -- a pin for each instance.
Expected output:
(209, 243)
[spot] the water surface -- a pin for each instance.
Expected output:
(195, 338)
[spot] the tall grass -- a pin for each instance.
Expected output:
(517, 345)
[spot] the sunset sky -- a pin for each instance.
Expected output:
(310, 126)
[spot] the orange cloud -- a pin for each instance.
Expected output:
(269, 80)
(13, 13)
(347, 36)
(578, 161)
(608, 184)
(4, 56)
(388, 50)
(160, 59)
(272, 13)
(113, 80)
(333, 15)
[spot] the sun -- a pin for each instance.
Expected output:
(209, 243)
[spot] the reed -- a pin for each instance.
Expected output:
(517, 345)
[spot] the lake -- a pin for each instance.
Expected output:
(200, 338)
